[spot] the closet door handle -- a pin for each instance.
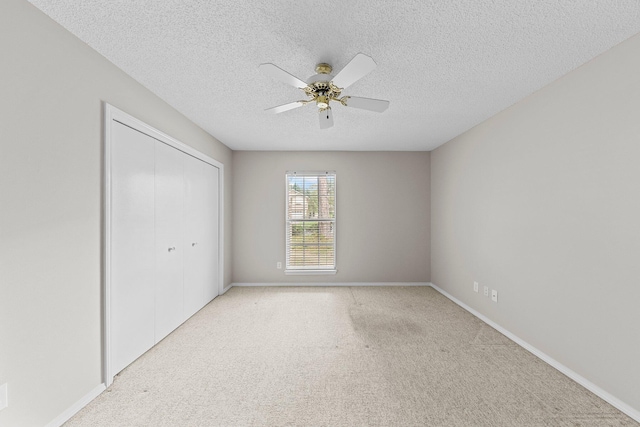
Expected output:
(194, 243)
(171, 249)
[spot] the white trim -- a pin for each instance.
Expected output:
(111, 114)
(128, 120)
(221, 289)
(331, 284)
(224, 290)
(309, 272)
(604, 395)
(311, 172)
(73, 409)
(106, 247)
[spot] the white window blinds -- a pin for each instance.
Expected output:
(311, 221)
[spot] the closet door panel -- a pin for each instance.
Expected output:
(195, 244)
(169, 224)
(132, 234)
(211, 268)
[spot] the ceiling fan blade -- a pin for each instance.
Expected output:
(278, 73)
(377, 105)
(285, 107)
(326, 118)
(360, 66)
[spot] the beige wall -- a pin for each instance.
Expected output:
(382, 217)
(542, 203)
(51, 89)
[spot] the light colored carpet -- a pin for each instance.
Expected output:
(361, 356)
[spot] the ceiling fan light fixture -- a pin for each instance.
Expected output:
(322, 101)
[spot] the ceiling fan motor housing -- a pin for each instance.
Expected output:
(321, 90)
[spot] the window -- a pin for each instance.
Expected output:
(311, 222)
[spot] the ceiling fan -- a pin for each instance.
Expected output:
(323, 87)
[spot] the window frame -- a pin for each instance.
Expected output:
(309, 270)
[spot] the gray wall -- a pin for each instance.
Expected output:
(382, 216)
(51, 89)
(542, 203)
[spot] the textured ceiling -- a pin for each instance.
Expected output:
(444, 65)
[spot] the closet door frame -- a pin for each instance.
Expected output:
(111, 115)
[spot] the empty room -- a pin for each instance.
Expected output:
(219, 213)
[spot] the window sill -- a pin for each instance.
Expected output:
(309, 272)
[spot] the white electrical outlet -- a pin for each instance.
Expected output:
(4, 399)
(279, 265)
(475, 286)
(494, 295)
(486, 291)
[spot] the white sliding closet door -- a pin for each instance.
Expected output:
(132, 245)
(162, 225)
(195, 243)
(201, 234)
(170, 248)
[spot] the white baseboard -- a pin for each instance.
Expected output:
(608, 397)
(224, 290)
(73, 409)
(324, 284)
